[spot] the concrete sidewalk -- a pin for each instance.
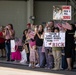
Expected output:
(17, 69)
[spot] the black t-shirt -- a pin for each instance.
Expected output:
(39, 42)
(69, 39)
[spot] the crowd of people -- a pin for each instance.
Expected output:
(31, 49)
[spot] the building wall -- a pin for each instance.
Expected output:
(14, 12)
(44, 10)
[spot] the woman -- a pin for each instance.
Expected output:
(39, 44)
(32, 45)
(9, 34)
(69, 46)
(25, 43)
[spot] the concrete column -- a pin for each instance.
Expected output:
(30, 8)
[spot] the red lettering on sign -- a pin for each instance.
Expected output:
(66, 17)
(58, 45)
(62, 45)
(66, 7)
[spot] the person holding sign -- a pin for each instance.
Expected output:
(56, 54)
(48, 53)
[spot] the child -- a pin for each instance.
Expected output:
(57, 53)
(23, 56)
(32, 45)
(50, 60)
(16, 55)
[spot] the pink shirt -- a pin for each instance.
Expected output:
(32, 43)
(7, 35)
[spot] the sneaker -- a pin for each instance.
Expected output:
(55, 69)
(30, 65)
(23, 61)
(37, 65)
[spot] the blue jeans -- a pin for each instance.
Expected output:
(8, 51)
(41, 56)
(49, 58)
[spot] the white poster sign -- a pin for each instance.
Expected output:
(62, 12)
(54, 39)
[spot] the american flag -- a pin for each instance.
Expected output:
(67, 26)
(59, 26)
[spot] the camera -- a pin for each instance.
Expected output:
(7, 28)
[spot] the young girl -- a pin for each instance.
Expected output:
(16, 55)
(23, 56)
(32, 45)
